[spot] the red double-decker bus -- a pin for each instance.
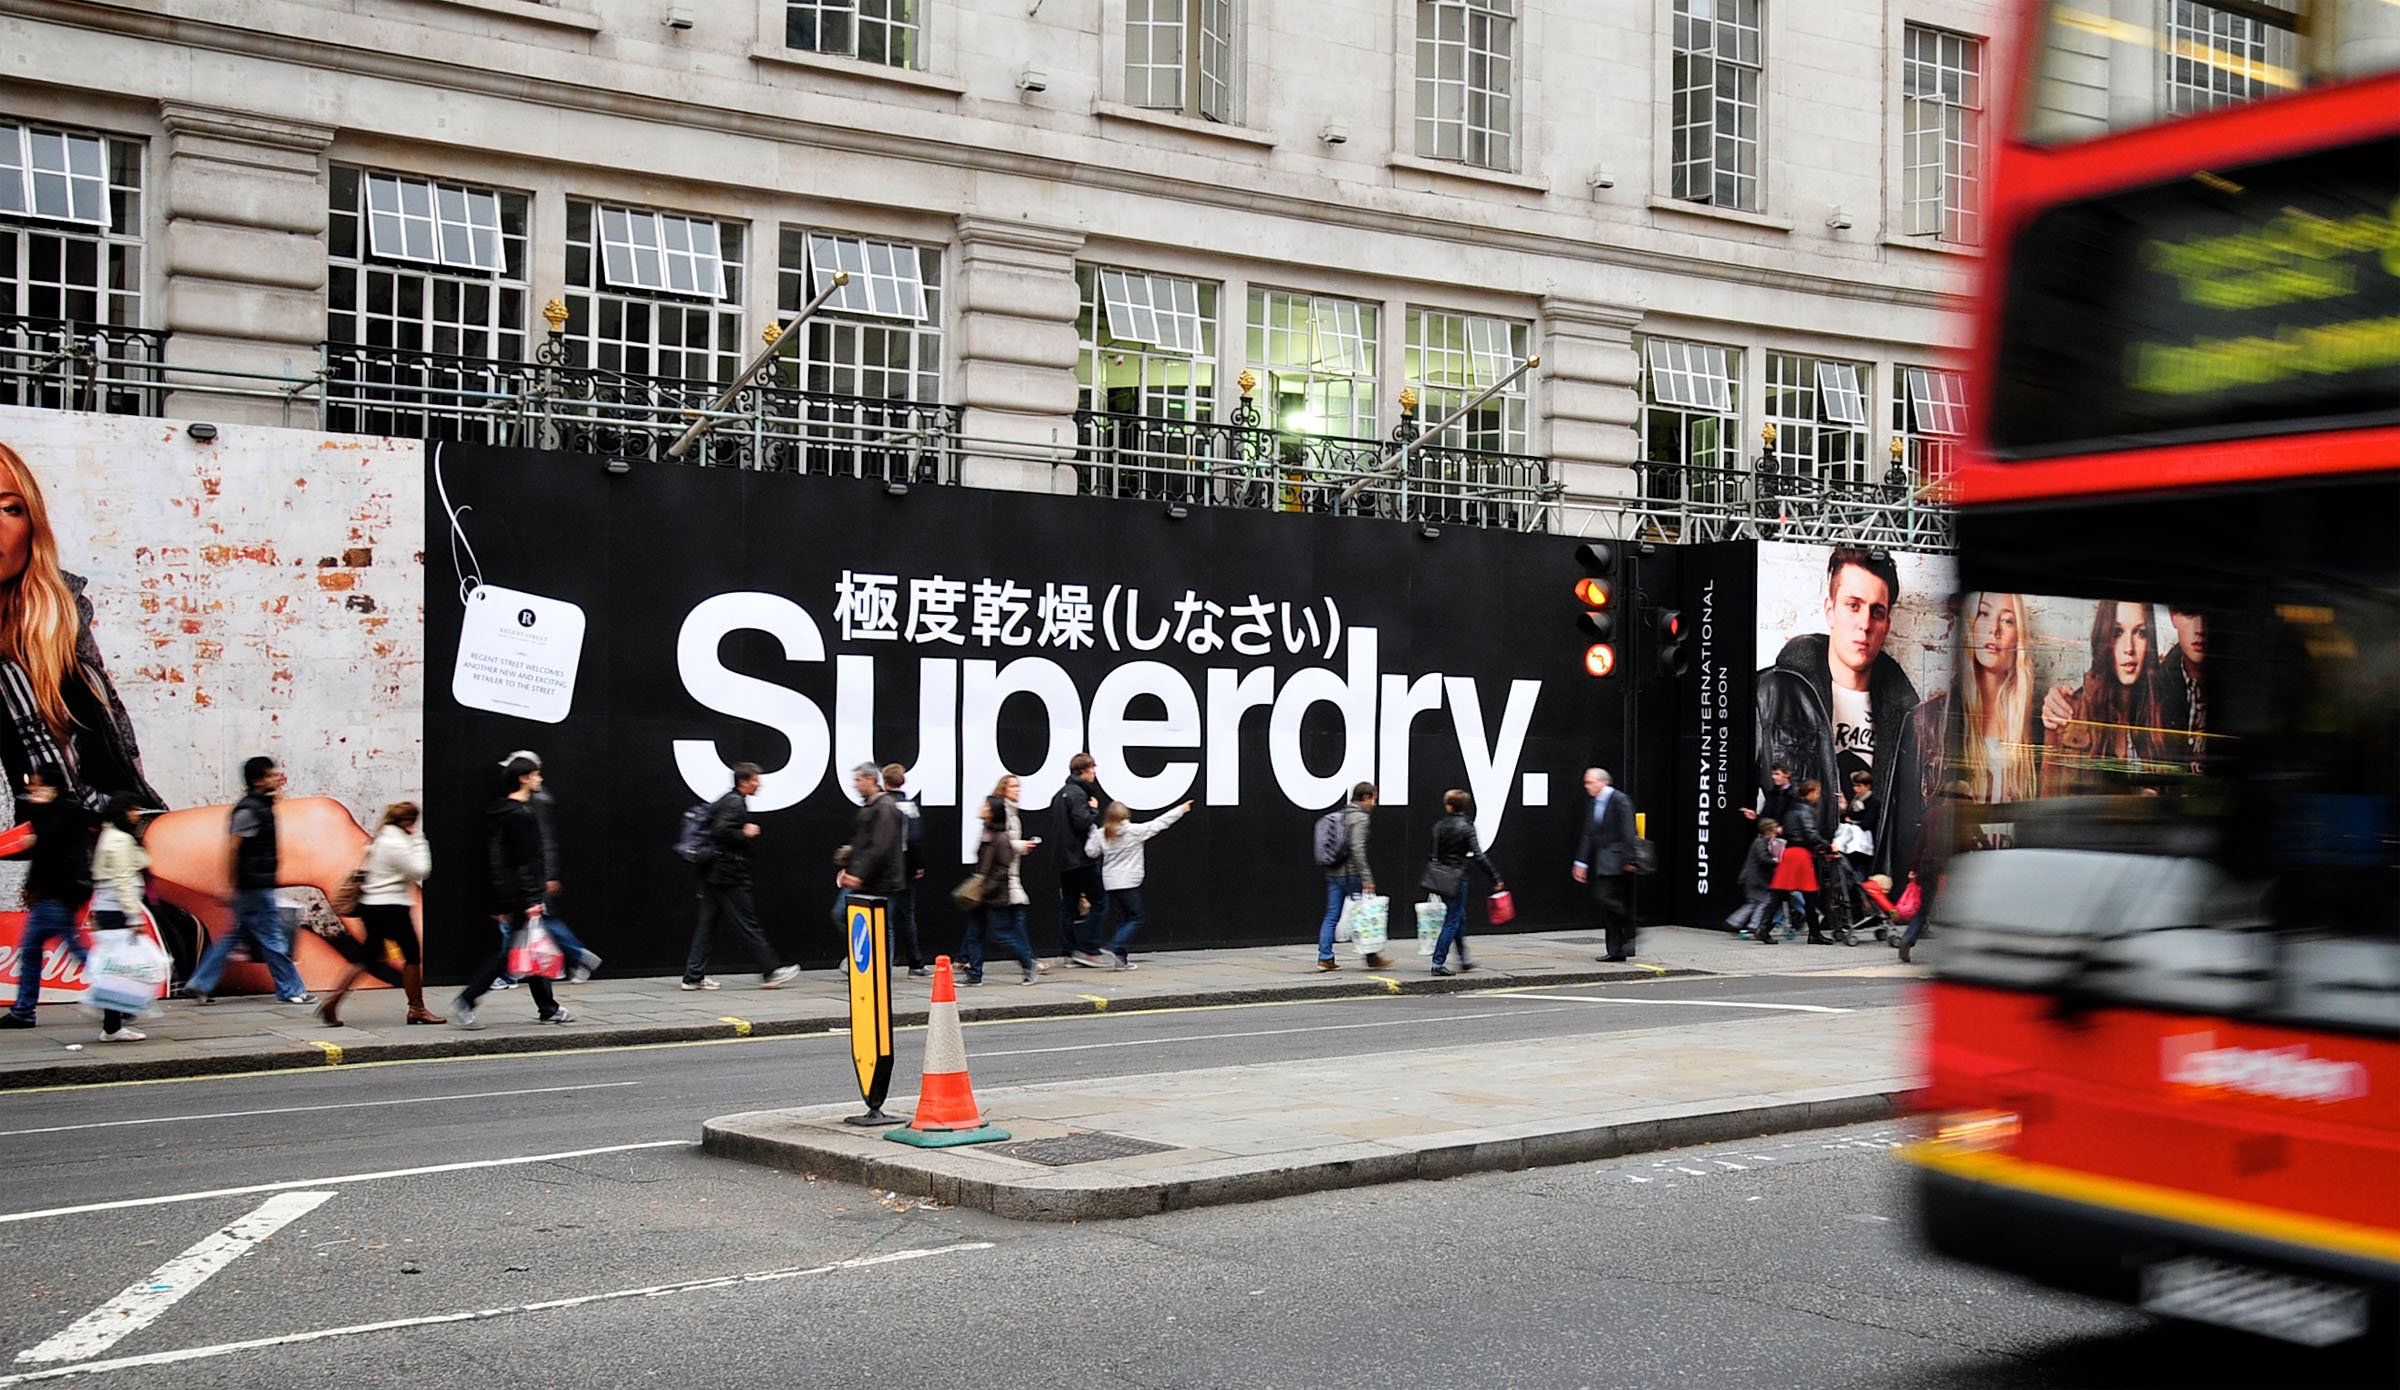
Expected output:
(2164, 1040)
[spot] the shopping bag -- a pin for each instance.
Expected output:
(1852, 838)
(1342, 925)
(1911, 898)
(125, 972)
(533, 955)
(1368, 918)
(1429, 924)
(1501, 907)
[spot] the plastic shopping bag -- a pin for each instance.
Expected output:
(126, 971)
(1429, 924)
(533, 955)
(1367, 920)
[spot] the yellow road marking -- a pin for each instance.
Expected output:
(741, 1026)
(1390, 985)
(1099, 1002)
(333, 1052)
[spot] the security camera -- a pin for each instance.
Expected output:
(678, 17)
(1839, 220)
(1033, 80)
(1335, 133)
(1602, 178)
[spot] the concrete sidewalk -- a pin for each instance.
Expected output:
(256, 1033)
(1137, 1145)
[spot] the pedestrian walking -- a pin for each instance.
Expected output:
(513, 892)
(912, 841)
(1347, 875)
(56, 843)
(1605, 857)
(1000, 911)
(878, 862)
(1116, 843)
(1457, 849)
(1805, 832)
(1080, 890)
(725, 888)
(1761, 911)
(1795, 877)
(257, 916)
(118, 862)
(397, 860)
(581, 962)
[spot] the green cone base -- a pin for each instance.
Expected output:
(945, 1138)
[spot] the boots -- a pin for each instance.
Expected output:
(412, 979)
(331, 1009)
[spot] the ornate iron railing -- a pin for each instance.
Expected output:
(1240, 463)
(62, 365)
(554, 404)
(1686, 503)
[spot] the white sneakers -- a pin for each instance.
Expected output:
(779, 977)
(703, 983)
(124, 1034)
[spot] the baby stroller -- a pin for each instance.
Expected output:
(1893, 915)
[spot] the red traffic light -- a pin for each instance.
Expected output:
(1599, 659)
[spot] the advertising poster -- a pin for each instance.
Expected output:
(641, 632)
(256, 593)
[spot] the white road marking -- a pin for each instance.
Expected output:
(141, 1304)
(766, 1276)
(310, 1109)
(1678, 1003)
(343, 1180)
(1255, 1033)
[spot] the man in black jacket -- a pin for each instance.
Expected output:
(513, 884)
(1836, 702)
(1078, 806)
(725, 887)
(57, 882)
(1604, 855)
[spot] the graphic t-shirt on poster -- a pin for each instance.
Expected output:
(1853, 737)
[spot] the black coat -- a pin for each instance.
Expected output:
(1607, 843)
(513, 855)
(878, 847)
(730, 868)
(1076, 817)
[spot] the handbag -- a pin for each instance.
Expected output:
(968, 895)
(1443, 879)
(1642, 858)
(1501, 907)
(971, 891)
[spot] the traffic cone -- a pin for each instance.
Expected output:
(947, 1115)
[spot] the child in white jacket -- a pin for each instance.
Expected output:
(1117, 843)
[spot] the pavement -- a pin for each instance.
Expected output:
(1135, 1146)
(244, 1034)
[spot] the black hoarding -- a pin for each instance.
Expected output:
(1258, 664)
(1715, 772)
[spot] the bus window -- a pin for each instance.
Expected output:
(2109, 65)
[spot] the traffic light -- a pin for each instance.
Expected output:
(1597, 592)
(1668, 629)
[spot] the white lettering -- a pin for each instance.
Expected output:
(788, 712)
(1488, 770)
(1114, 732)
(1356, 699)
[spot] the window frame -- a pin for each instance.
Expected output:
(836, 340)
(1942, 136)
(1513, 433)
(1707, 431)
(1710, 90)
(73, 261)
(1930, 453)
(1206, 67)
(436, 221)
(1346, 403)
(353, 266)
(904, 18)
(593, 303)
(1157, 395)
(1483, 139)
(1808, 443)
(2191, 84)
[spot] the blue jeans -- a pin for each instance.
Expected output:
(257, 919)
(1005, 924)
(1124, 909)
(1454, 929)
(48, 920)
(1338, 887)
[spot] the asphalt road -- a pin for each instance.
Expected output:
(1783, 1261)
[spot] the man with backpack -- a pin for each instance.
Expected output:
(1080, 895)
(1341, 851)
(722, 844)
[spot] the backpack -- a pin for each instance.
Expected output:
(1333, 838)
(692, 844)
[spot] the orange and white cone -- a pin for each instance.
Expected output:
(946, 1110)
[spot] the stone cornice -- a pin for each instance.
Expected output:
(148, 20)
(1611, 319)
(244, 127)
(978, 230)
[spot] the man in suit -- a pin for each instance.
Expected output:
(1605, 857)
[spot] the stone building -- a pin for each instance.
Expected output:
(1204, 252)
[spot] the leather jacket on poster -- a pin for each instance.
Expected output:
(1795, 727)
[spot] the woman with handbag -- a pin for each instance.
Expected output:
(1455, 847)
(118, 860)
(396, 861)
(998, 896)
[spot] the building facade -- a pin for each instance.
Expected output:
(1204, 252)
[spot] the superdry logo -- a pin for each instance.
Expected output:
(2281, 1073)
